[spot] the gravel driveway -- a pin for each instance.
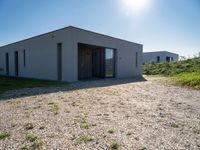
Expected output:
(101, 115)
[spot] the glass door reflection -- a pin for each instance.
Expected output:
(109, 63)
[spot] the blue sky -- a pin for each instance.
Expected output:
(172, 25)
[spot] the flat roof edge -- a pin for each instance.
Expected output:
(160, 52)
(105, 35)
(67, 28)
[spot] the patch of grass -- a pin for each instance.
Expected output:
(83, 120)
(85, 125)
(111, 131)
(188, 79)
(42, 126)
(186, 73)
(14, 102)
(29, 125)
(13, 83)
(55, 107)
(34, 145)
(31, 137)
(4, 135)
(37, 144)
(174, 125)
(143, 148)
(34, 142)
(86, 114)
(27, 108)
(115, 145)
(85, 139)
(25, 146)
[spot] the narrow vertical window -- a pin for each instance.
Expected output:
(59, 61)
(7, 64)
(16, 64)
(136, 60)
(109, 63)
(158, 59)
(24, 55)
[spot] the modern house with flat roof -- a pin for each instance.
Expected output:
(71, 54)
(159, 57)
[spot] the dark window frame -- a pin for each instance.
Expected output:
(158, 59)
(136, 59)
(7, 63)
(24, 56)
(16, 63)
(59, 61)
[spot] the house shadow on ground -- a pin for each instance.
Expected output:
(84, 84)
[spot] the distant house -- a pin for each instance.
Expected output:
(71, 54)
(159, 57)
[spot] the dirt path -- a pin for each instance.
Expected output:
(135, 115)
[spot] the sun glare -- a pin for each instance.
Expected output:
(136, 5)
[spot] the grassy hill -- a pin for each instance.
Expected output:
(185, 72)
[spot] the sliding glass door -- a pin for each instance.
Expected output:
(109, 62)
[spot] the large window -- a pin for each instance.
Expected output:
(109, 63)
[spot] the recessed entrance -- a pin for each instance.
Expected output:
(95, 62)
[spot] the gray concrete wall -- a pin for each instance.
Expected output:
(151, 57)
(126, 51)
(41, 54)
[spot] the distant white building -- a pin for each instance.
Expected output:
(159, 57)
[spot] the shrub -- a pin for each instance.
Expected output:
(31, 137)
(115, 145)
(29, 126)
(85, 139)
(174, 125)
(42, 126)
(4, 135)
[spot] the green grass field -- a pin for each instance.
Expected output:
(12, 83)
(186, 73)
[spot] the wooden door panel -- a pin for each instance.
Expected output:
(85, 63)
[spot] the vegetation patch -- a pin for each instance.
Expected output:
(143, 148)
(188, 79)
(29, 125)
(174, 125)
(31, 137)
(85, 125)
(42, 126)
(13, 83)
(186, 73)
(115, 145)
(34, 142)
(4, 135)
(55, 107)
(85, 139)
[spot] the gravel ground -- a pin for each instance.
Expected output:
(150, 115)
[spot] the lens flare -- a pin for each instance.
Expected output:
(136, 5)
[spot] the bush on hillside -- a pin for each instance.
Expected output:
(186, 73)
